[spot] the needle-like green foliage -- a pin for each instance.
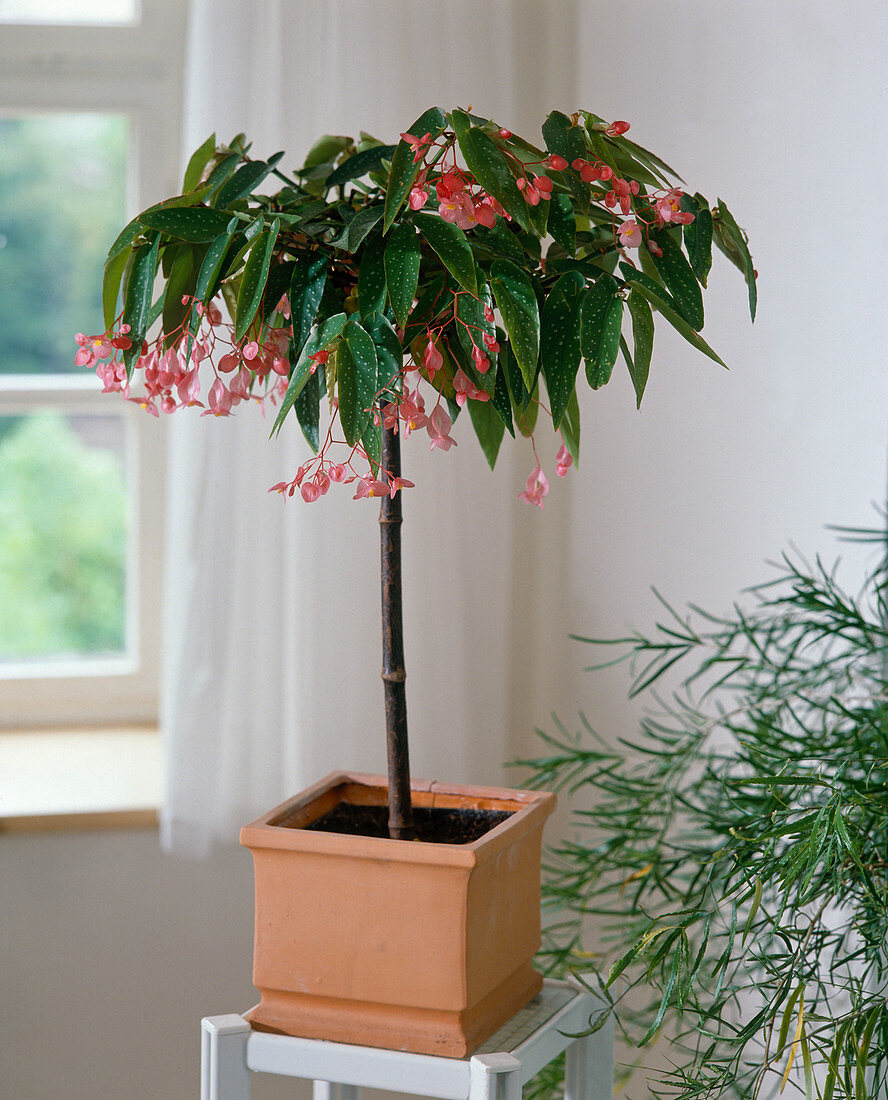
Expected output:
(730, 864)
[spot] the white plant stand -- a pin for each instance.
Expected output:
(231, 1051)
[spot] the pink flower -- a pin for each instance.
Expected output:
(485, 214)
(556, 163)
(563, 461)
(419, 192)
(228, 363)
(491, 342)
(370, 487)
(310, 491)
(219, 400)
(338, 472)
(466, 390)
(398, 483)
(482, 363)
(412, 412)
(536, 487)
(432, 360)
(283, 307)
(92, 348)
(630, 233)
(417, 144)
(449, 185)
(617, 128)
(531, 194)
(668, 208)
(250, 351)
(438, 427)
(188, 388)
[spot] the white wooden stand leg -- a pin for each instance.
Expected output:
(223, 1063)
(327, 1090)
(589, 1066)
(495, 1077)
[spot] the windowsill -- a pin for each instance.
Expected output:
(80, 779)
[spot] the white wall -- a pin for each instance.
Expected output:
(112, 951)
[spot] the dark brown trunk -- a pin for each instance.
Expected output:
(393, 673)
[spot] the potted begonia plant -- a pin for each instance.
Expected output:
(462, 268)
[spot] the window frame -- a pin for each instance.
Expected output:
(136, 70)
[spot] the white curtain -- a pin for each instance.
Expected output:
(272, 636)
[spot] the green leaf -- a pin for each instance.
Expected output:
(452, 247)
(731, 239)
(389, 353)
(361, 224)
(300, 375)
(325, 150)
(244, 181)
(563, 223)
(560, 341)
(489, 428)
(368, 160)
(111, 276)
(517, 303)
(643, 333)
(490, 168)
(307, 406)
(675, 271)
(222, 171)
(404, 170)
(306, 290)
(501, 400)
(402, 261)
(137, 299)
(179, 284)
(523, 400)
(211, 267)
(600, 321)
(187, 223)
(356, 380)
(255, 277)
(371, 277)
(371, 441)
(698, 236)
(661, 302)
(199, 159)
(570, 427)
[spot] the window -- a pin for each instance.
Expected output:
(90, 123)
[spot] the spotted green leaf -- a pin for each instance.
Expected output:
(517, 303)
(402, 261)
(452, 247)
(600, 321)
(356, 380)
(254, 278)
(560, 341)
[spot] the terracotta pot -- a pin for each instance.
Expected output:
(390, 943)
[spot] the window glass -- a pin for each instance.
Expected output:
(63, 535)
(63, 183)
(69, 11)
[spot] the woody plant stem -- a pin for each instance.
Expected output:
(393, 673)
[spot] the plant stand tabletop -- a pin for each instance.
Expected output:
(535, 1036)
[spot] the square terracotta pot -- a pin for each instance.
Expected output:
(400, 944)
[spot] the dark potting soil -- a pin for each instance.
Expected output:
(434, 825)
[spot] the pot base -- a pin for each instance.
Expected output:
(422, 1031)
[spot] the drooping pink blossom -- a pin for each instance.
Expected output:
(438, 427)
(537, 486)
(563, 461)
(617, 128)
(432, 359)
